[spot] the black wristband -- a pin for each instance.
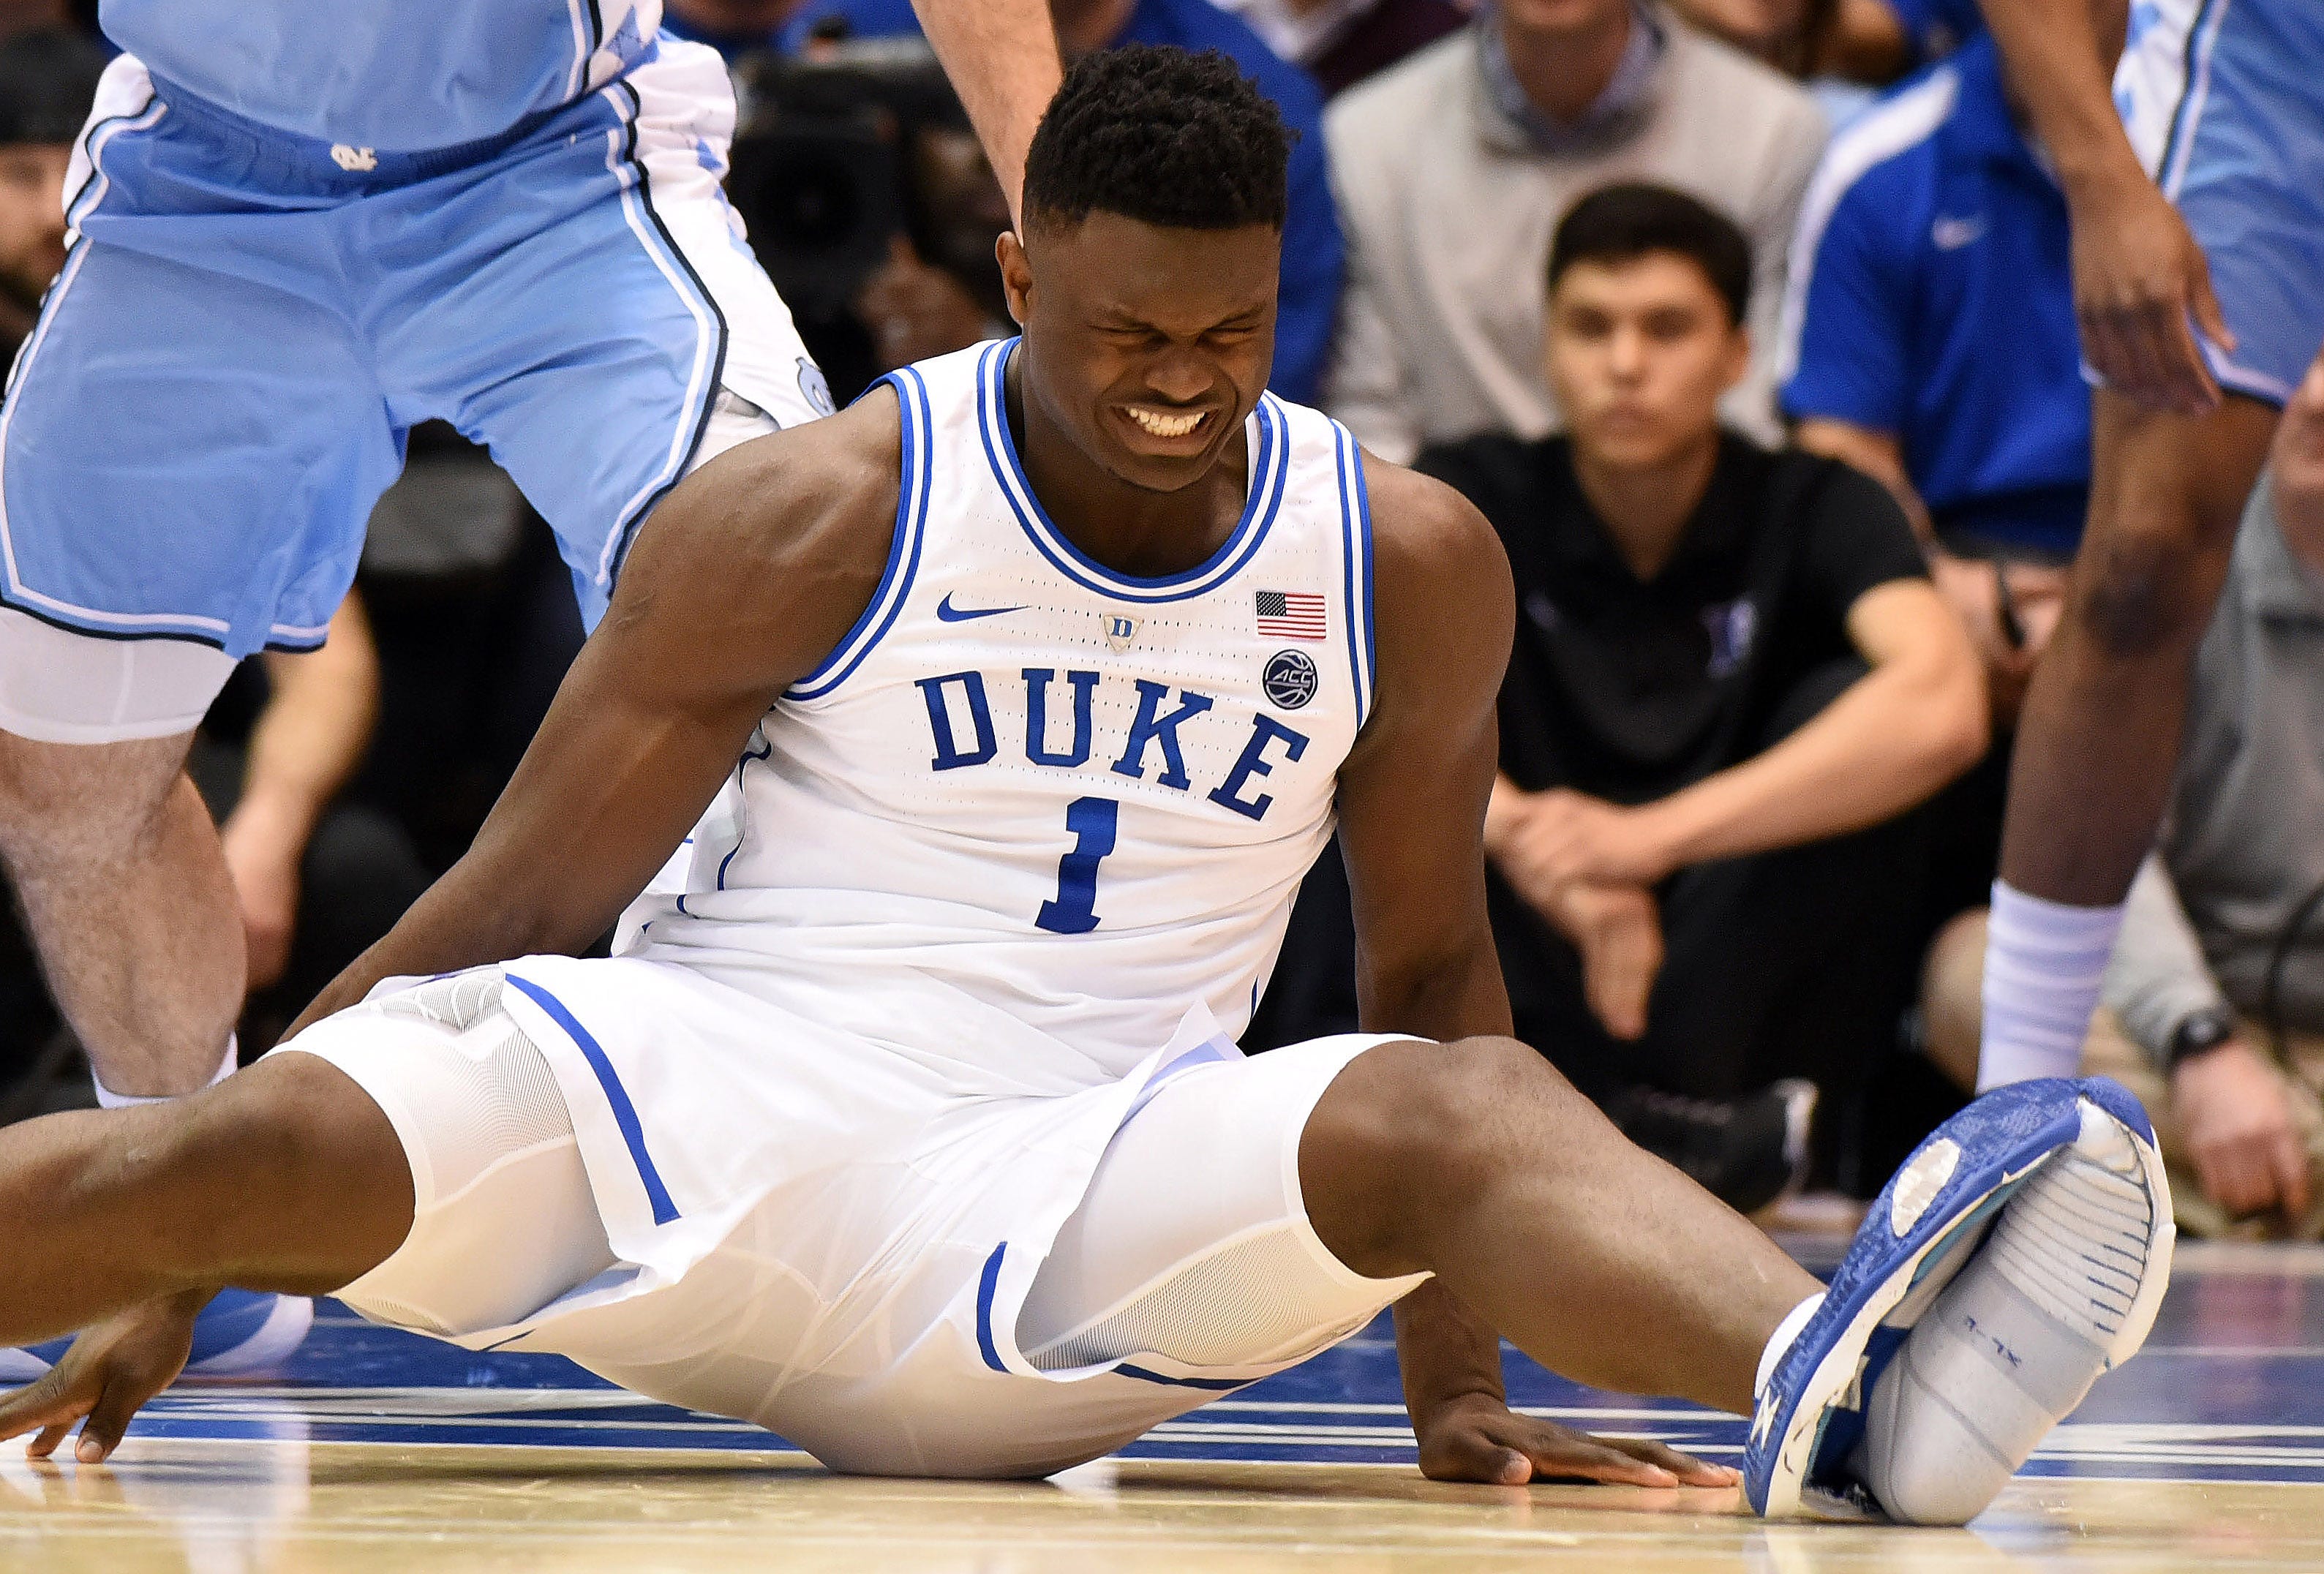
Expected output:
(2198, 1032)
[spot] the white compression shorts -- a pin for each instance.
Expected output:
(1190, 1250)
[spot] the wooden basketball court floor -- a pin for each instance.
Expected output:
(377, 1451)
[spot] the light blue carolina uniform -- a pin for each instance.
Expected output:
(461, 215)
(2224, 102)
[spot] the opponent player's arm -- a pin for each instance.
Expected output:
(1412, 807)
(1002, 56)
(2138, 275)
(747, 575)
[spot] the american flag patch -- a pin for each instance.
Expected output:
(1292, 614)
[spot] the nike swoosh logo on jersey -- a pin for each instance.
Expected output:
(1950, 234)
(947, 612)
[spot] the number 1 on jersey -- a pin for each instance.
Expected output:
(1073, 911)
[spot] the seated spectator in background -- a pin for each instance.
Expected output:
(1732, 681)
(48, 79)
(1870, 41)
(1340, 43)
(1313, 260)
(734, 28)
(317, 878)
(1930, 341)
(1453, 168)
(2215, 997)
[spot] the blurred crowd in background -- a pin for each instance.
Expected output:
(1748, 324)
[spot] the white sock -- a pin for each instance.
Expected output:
(1781, 1341)
(2044, 963)
(108, 1099)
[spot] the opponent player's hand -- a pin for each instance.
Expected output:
(111, 1370)
(2235, 1124)
(2139, 278)
(1477, 1437)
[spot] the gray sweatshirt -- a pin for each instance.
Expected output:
(1448, 203)
(2243, 846)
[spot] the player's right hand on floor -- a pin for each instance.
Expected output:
(111, 1370)
(1479, 1439)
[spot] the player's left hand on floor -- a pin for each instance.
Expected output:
(110, 1372)
(1483, 1439)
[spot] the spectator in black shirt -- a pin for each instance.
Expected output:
(1732, 678)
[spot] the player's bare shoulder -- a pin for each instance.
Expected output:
(1444, 606)
(778, 545)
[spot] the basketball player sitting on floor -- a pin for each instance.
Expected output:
(1022, 696)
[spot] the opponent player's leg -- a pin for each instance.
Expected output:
(123, 886)
(2100, 737)
(1596, 1258)
(2221, 104)
(627, 339)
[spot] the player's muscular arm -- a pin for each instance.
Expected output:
(1412, 793)
(749, 573)
(1412, 807)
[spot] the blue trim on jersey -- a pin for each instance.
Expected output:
(1356, 565)
(617, 1097)
(1270, 468)
(1371, 580)
(1216, 1385)
(984, 1288)
(617, 94)
(915, 483)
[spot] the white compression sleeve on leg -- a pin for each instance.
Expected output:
(108, 1099)
(2044, 963)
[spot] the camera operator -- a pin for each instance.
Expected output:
(871, 203)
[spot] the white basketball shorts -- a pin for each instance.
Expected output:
(740, 1213)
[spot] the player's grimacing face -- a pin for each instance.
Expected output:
(1149, 345)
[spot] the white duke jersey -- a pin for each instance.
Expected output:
(384, 74)
(1029, 789)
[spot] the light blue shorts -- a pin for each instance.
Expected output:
(248, 324)
(2224, 101)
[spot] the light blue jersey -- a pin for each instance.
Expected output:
(249, 321)
(386, 74)
(2224, 102)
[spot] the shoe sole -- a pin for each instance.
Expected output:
(1809, 1409)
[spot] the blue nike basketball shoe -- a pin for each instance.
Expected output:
(239, 1331)
(2020, 1252)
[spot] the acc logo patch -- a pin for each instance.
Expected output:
(1290, 679)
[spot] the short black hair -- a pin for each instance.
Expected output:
(1162, 136)
(1622, 223)
(48, 81)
